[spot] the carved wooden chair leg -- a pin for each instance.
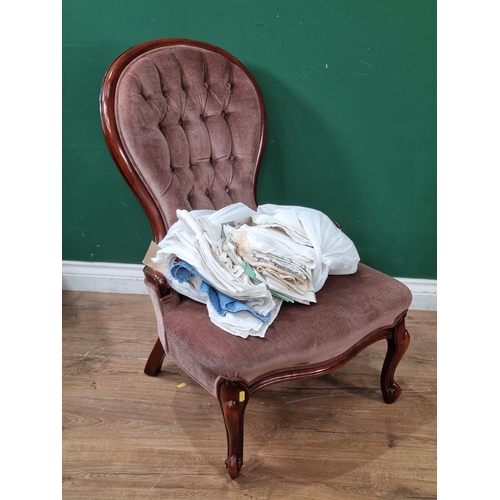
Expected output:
(233, 398)
(397, 344)
(155, 360)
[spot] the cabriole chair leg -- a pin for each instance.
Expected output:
(233, 398)
(397, 344)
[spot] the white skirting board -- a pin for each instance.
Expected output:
(128, 278)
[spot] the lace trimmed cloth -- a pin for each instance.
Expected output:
(253, 260)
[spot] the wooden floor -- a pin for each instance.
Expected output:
(127, 435)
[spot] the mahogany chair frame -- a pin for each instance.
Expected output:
(233, 395)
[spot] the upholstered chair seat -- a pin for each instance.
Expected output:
(185, 123)
(349, 308)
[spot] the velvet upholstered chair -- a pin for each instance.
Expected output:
(185, 123)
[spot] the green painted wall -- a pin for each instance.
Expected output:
(350, 88)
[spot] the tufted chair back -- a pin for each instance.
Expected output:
(185, 123)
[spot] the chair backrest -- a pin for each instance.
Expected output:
(185, 123)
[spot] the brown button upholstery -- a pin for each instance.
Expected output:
(174, 105)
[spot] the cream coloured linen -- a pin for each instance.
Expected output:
(297, 248)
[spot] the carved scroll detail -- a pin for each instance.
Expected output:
(397, 344)
(158, 280)
(233, 399)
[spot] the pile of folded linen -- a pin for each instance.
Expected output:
(244, 263)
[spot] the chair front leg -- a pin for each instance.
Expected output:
(397, 344)
(233, 398)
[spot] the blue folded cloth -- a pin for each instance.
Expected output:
(182, 271)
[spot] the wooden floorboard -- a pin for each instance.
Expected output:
(127, 435)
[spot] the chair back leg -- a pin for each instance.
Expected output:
(155, 360)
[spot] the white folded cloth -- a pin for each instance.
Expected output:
(256, 257)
